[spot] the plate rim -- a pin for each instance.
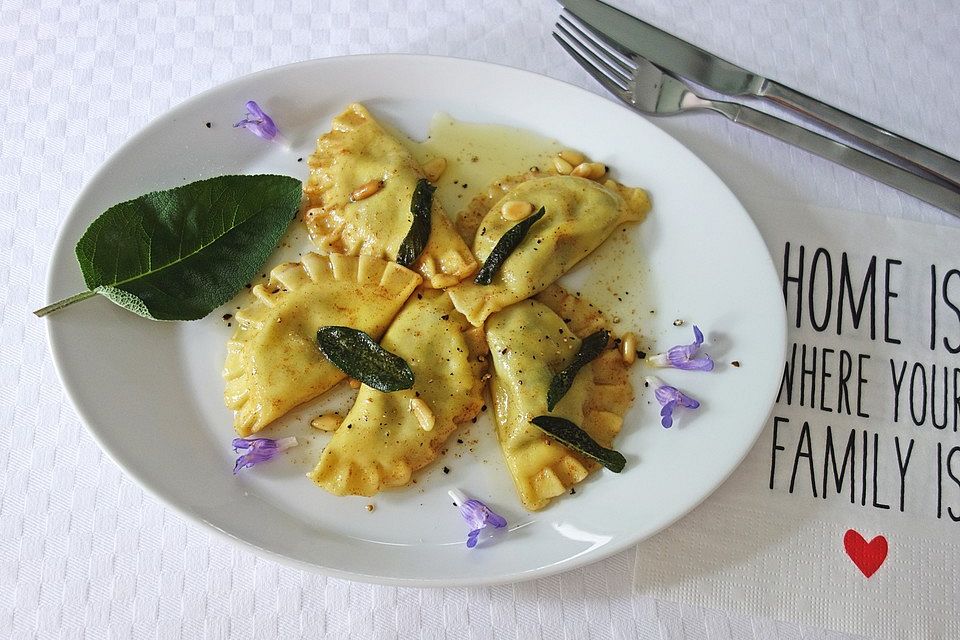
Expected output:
(185, 512)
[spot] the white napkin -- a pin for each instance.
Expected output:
(881, 555)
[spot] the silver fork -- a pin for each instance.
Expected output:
(650, 90)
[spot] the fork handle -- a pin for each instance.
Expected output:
(923, 157)
(933, 193)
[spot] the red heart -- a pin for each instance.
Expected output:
(868, 556)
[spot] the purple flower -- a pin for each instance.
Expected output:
(478, 516)
(258, 122)
(669, 398)
(259, 450)
(681, 356)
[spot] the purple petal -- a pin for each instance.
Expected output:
(258, 122)
(703, 363)
(254, 110)
(666, 414)
(669, 398)
(478, 516)
(259, 450)
(682, 355)
(472, 512)
(665, 393)
(496, 520)
(697, 336)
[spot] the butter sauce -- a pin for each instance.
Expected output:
(614, 277)
(477, 154)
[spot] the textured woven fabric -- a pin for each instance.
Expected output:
(84, 553)
(773, 538)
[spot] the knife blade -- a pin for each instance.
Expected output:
(634, 36)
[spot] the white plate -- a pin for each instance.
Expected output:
(150, 393)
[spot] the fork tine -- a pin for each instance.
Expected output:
(597, 42)
(608, 83)
(610, 78)
(596, 57)
(611, 47)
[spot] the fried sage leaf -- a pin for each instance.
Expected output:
(421, 207)
(181, 253)
(505, 246)
(569, 434)
(360, 357)
(590, 348)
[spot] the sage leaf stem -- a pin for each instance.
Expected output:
(66, 302)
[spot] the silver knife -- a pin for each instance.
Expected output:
(691, 62)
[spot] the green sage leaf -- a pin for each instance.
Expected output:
(360, 357)
(571, 435)
(181, 253)
(590, 348)
(505, 246)
(421, 207)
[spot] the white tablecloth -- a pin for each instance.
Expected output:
(85, 553)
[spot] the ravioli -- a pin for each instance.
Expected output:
(380, 443)
(580, 215)
(468, 220)
(273, 363)
(356, 152)
(529, 342)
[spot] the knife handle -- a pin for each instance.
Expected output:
(915, 153)
(890, 174)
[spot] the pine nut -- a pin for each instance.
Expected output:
(597, 170)
(366, 190)
(562, 166)
(516, 210)
(435, 168)
(582, 170)
(573, 157)
(424, 415)
(628, 347)
(326, 422)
